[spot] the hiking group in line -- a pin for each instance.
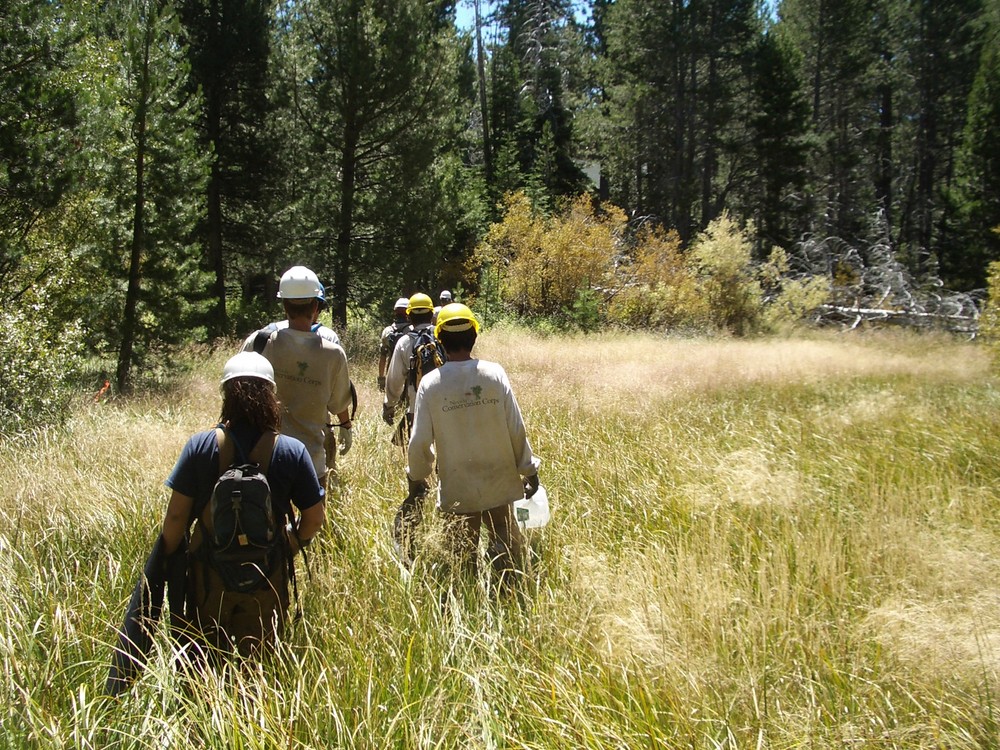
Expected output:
(250, 494)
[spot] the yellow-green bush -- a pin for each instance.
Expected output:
(658, 288)
(793, 299)
(989, 321)
(722, 260)
(577, 263)
(544, 263)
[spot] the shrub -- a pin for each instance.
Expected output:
(544, 264)
(989, 321)
(721, 256)
(790, 299)
(658, 289)
(38, 365)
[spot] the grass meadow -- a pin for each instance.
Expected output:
(777, 543)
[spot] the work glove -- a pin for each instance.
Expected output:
(531, 485)
(416, 488)
(381, 383)
(345, 438)
(388, 414)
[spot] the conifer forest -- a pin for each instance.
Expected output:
(163, 161)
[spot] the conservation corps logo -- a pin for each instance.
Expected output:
(473, 397)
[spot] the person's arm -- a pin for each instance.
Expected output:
(339, 401)
(420, 454)
(399, 367)
(310, 522)
(175, 523)
(527, 462)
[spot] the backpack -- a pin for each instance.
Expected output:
(389, 342)
(427, 355)
(242, 534)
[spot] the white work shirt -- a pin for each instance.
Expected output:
(467, 419)
(312, 380)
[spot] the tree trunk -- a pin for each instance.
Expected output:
(342, 262)
(130, 313)
(483, 107)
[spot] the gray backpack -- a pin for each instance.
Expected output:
(243, 534)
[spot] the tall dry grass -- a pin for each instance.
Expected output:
(754, 543)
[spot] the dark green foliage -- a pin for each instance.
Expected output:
(778, 143)
(976, 197)
(368, 133)
(229, 48)
(37, 117)
(161, 173)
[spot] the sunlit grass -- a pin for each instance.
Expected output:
(778, 543)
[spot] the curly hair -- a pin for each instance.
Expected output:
(250, 401)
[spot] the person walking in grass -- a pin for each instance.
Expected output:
(248, 430)
(390, 335)
(400, 388)
(467, 424)
(310, 371)
(260, 336)
(444, 298)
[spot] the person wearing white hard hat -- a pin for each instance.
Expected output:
(248, 427)
(467, 427)
(444, 298)
(310, 371)
(299, 279)
(390, 335)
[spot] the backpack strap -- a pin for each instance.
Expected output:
(262, 452)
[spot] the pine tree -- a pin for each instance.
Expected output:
(778, 146)
(229, 45)
(977, 193)
(161, 174)
(834, 39)
(372, 99)
(37, 117)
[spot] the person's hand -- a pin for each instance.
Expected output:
(388, 414)
(345, 438)
(381, 383)
(530, 485)
(416, 488)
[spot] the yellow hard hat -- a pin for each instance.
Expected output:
(420, 302)
(455, 317)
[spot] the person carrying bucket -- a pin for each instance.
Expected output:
(468, 424)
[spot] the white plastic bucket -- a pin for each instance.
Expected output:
(533, 512)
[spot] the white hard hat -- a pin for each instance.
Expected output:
(248, 365)
(445, 296)
(402, 302)
(300, 283)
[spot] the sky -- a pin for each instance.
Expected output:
(465, 14)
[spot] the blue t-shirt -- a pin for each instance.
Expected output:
(290, 474)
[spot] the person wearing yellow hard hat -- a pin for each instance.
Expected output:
(467, 424)
(400, 386)
(390, 335)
